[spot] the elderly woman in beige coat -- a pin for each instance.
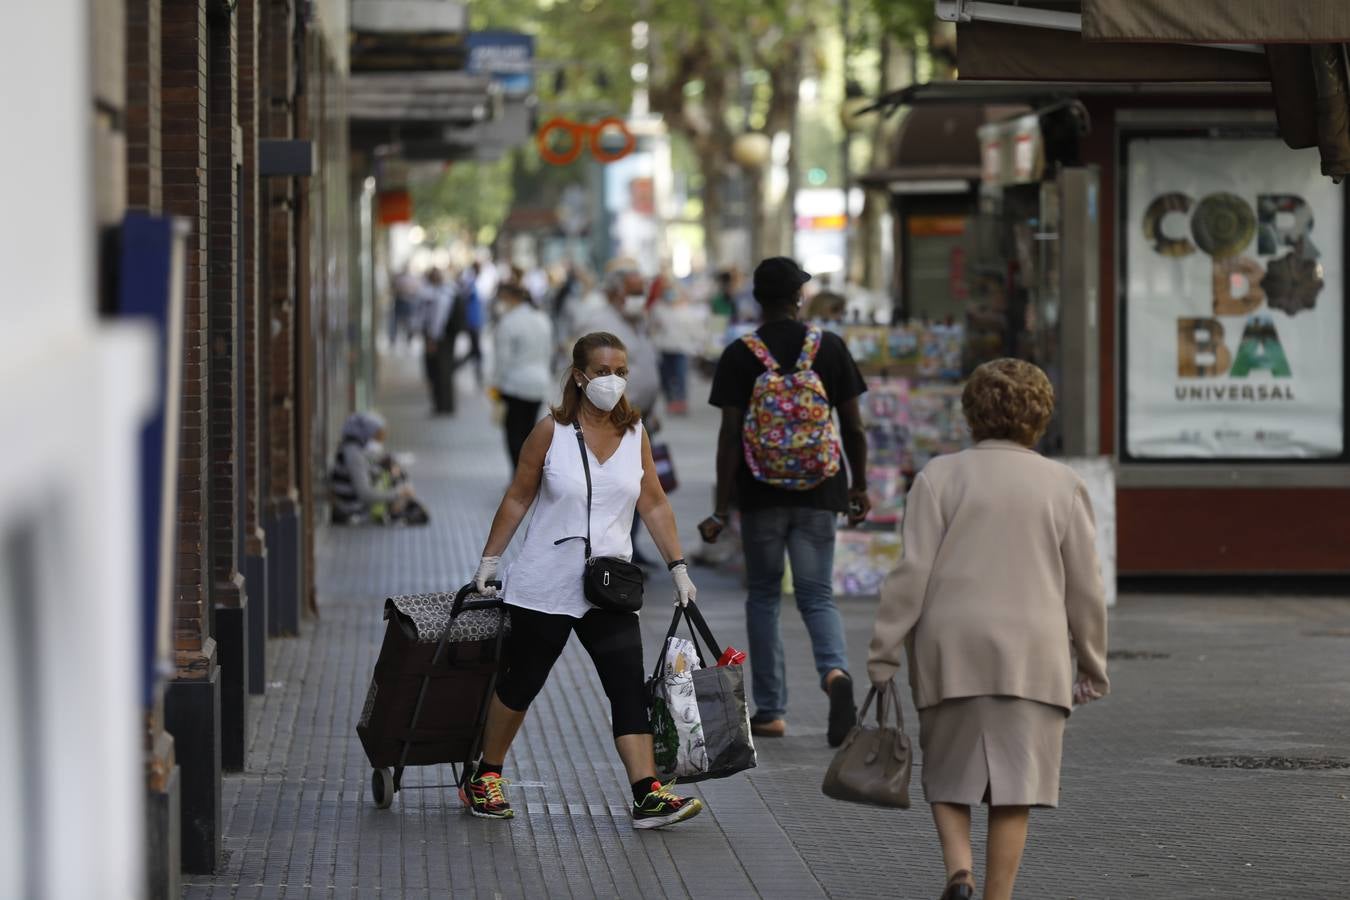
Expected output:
(1000, 607)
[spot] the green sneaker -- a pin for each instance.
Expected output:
(484, 798)
(661, 807)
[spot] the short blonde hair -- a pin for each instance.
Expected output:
(1008, 400)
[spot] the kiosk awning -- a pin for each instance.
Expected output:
(1306, 59)
(1217, 21)
(991, 50)
(1041, 93)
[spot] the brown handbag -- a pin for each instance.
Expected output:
(872, 766)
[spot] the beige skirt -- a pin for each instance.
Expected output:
(1004, 751)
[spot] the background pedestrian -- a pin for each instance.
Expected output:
(522, 354)
(471, 297)
(678, 332)
(407, 286)
(777, 520)
(443, 319)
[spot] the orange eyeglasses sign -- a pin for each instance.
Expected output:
(582, 134)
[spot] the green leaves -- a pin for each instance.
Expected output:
(904, 19)
(470, 199)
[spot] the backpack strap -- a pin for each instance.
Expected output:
(810, 346)
(761, 350)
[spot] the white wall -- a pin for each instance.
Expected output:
(71, 396)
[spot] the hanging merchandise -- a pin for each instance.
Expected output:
(862, 560)
(911, 413)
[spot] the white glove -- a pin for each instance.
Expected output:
(487, 571)
(684, 587)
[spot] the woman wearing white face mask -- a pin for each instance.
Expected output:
(544, 586)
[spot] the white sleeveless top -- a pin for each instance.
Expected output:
(547, 577)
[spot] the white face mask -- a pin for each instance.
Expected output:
(605, 391)
(634, 305)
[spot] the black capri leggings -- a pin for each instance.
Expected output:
(614, 641)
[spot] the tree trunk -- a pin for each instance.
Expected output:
(710, 166)
(789, 211)
(875, 202)
(785, 76)
(761, 237)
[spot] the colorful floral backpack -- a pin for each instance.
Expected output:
(789, 435)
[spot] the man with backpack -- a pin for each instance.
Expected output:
(778, 451)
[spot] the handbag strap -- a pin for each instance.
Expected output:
(694, 617)
(585, 467)
(885, 697)
(665, 642)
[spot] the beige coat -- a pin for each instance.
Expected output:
(999, 578)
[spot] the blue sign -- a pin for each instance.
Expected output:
(146, 293)
(507, 56)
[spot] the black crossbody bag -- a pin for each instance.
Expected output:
(609, 582)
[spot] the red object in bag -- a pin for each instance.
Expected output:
(731, 657)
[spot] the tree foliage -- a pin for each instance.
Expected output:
(469, 200)
(714, 68)
(904, 19)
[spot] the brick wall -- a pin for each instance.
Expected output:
(254, 323)
(183, 125)
(276, 120)
(226, 469)
(145, 180)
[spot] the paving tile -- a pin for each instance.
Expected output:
(1241, 675)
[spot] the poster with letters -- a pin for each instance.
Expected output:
(1234, 301)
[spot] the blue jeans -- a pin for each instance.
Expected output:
(674, 369)
(807, 536)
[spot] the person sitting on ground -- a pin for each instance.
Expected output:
(544, 588)
(998, 592)
(366, 483)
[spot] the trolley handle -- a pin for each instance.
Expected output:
(463, 593)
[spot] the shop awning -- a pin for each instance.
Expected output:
(443, 97)
(935, 145)
(1043, 93)
(1306, 59)
(1217, 21)
(991, 50)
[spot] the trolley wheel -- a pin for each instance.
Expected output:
(382, 788)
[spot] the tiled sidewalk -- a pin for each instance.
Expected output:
(1261, 675)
